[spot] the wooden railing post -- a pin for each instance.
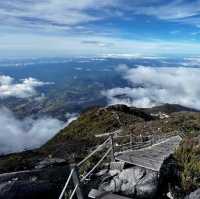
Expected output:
(154, 139)
(131, 141)
(76, 181)
(112, 148)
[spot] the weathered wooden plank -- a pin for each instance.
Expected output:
(142, 163)
(108, 134)
(117, 166)
(153, 156)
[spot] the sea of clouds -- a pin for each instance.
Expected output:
(24, 88)
(19, 135)
(151, 86)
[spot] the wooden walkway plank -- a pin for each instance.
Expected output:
(153, 156)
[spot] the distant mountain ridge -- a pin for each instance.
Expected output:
(170, 108)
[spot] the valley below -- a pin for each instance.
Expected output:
(100, 99)
(49, 122)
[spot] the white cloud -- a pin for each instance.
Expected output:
(154, 86)
(18, 135)
(191, 62)
(69, 13)
(177, 10)
(174, 10)
(25, 88)
(35, 45)
(47, 12)
(97, 43)
(71, 117)
(28, 27)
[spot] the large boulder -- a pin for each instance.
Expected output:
(27, 189)
(37, 183)
(194, 195)
(148, 185)
(135, 181)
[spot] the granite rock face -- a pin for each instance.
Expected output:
(141, 183)
(148, 185)
(135, 182)
(37, 183)
(194, 195)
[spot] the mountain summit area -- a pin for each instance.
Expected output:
(42, 172)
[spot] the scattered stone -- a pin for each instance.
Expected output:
(38, 183)
(102, 172)
(34, 178)
(194, 195)
(169, 195)
(49, 162)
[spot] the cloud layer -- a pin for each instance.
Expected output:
(25, 88)
(64, 14)
(94, 27)
(184, 11)
(18, 135)
(52, 13)
(154, 86)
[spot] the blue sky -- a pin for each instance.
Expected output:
(99, 27)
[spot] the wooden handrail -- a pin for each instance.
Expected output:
(121, 145)
(109, 134)
(66, 184)
(133, 136)
(98, 163)
(74, 191)
(121, 136)
(131, 145)
(135, 144)
(99, 148)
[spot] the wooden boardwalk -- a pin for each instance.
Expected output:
(148, 154)
(153, 156)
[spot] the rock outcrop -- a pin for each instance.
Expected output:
(135, 182)
(47, 175)
(194, 195)
(37, 183)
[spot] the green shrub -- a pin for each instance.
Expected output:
(188, 157)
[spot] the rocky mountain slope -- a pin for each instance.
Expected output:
(73, 143)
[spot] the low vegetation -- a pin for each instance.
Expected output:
(75, 141)
(188, 158)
